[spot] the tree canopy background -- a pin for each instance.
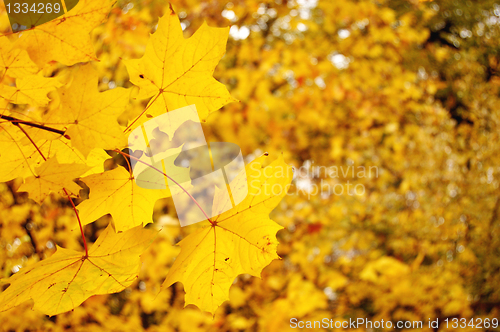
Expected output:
(411, 88)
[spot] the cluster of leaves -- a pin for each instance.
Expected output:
(413, 89)
(410, 87)
(56, 126)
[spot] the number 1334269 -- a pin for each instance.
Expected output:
(35, 8)
(478, 323)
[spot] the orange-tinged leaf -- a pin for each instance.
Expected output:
(241, 240)
(53, 177)
(66, 279)
(115, 192)
(177, 72)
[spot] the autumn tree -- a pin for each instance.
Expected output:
(409, 88)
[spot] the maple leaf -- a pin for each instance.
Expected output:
(66, 279)
(67, 38)
(177, 72)
(88, 115)
(240, 240)
(17, 154)
(67, 154)
(14, 62)
(116, 192)
(53, 177)
(32, 89)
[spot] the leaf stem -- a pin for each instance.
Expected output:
(65, 191)
(156, 169)
(137, 118)
(79, 222)
(31, 140)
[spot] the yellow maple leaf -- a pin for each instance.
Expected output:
(53, 177)
(14, 62)
(18, 156)
(177, 72)
(66, 279)
(67, 154)
(116, 192)
(240, 240)
(32, 89)
(88, 115)
(67, 38)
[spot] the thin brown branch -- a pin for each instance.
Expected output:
(16, 121)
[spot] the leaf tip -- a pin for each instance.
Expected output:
(172, 11)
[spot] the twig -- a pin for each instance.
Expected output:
(16, 121)
(168, 177)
